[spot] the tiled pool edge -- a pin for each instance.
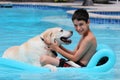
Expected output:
(99, 18)
(96, 18)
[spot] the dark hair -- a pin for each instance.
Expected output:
(80, 14)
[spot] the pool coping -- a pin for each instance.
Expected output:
(93, 15)
(95, 8)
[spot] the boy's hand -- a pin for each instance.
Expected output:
(51, 46)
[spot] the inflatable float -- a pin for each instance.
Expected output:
(102, 51)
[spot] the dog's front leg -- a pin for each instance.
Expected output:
(51, 67)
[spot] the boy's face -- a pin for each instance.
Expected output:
(81, 26)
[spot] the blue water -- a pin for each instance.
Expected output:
(17, 25)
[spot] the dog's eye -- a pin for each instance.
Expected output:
(61, 30)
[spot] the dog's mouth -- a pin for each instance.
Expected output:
(66, 40)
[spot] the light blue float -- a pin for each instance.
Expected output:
(102, 51)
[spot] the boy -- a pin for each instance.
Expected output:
(85, 48)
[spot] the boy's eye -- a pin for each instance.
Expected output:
(80, 24)
(75, 25)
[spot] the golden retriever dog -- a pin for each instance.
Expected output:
(30, 51)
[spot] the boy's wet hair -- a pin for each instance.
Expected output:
(80, 14)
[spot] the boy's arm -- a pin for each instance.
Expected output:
(78, 54)
(72, 52)
(66, 50)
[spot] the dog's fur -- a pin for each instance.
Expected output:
(30, 51)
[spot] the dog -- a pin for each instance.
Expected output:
(30, 51)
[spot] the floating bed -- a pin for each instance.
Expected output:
(102, 51)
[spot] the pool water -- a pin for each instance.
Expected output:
(17, 25)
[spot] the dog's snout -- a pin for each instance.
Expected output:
(71, 32)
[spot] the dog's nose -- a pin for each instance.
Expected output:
(71, 32)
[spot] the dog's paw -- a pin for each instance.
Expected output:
(51, 67)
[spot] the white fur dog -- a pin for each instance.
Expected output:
(30, 51)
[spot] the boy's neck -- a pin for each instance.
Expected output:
(87, 32)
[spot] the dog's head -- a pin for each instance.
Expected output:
(58, 34)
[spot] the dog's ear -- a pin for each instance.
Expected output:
(50, 34)
(47, 34)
